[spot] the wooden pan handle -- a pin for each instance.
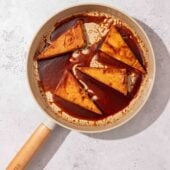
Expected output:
(30, 147)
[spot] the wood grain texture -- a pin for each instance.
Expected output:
(25, 154)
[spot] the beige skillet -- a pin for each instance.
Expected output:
(41, 133)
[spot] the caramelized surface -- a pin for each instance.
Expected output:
(116, 47)
(113, 77)
(70, 40)
(69, 89)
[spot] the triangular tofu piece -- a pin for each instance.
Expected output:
(112, 77)
(116, 47)
(70, 90)
(70, 40)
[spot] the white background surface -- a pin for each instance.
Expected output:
(141, 144)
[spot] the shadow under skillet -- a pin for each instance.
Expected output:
(148, 115)
(48, 149)
(158, 99)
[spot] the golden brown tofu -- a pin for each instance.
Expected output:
(72, 39)
(112, 77)
(116, 47)
(70, 90)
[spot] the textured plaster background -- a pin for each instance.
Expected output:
(141, 144)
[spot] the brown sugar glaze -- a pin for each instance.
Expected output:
(109, 100)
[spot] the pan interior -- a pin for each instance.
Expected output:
(45, 99)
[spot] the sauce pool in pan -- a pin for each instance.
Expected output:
(109, 100)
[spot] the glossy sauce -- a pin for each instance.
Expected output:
(61, 27)
(131, 40)
(109, 100)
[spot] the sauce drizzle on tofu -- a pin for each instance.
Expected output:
(107, 99)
